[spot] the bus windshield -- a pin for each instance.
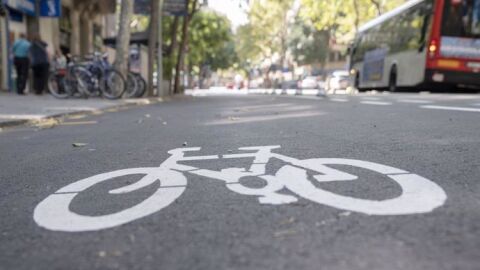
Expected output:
(461, 18)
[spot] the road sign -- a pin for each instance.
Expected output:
(50, 8)
(170, 7)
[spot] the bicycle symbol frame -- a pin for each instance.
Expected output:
(419, 195)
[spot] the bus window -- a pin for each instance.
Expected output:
(463, 18)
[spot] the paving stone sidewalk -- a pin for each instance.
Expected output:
(17, 110)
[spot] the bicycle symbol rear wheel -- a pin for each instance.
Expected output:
(54, 212)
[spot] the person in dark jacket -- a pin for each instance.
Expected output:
(20, 49)
(40, 64)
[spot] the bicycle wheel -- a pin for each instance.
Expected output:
(54, 213)
(83, 80)
(132, 86)
(113, 85)
(142, 86)
(419, 195)
(58, 86)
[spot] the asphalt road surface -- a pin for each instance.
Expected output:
(362, 182)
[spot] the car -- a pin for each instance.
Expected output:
(290, 84)
(338, 80)
(309, 82)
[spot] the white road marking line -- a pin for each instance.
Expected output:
(310, 92)
(339, 99)
(22, 116)
(415, 101)
(451, 108)
(371, 98)
(379, 103)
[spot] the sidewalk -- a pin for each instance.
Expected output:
(17, 110)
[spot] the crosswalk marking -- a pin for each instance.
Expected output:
(379, 103)
(415, 101)
(451, 108)
(339, 99)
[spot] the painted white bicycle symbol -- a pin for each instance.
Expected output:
(419, 195)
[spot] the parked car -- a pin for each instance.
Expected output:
(309, 82)
(292, 84)
(338, 80)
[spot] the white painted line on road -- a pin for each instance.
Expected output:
(22, 116)
(371, 98)
(291, 92)
(310, 92)
(451, 108)
(339, 99)
(415, 101)
(379, 103)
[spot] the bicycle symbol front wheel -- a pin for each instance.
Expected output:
(419, 195)
(54, 212)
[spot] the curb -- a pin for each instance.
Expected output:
(59, 116)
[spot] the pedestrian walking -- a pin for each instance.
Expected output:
(40, 64)
(20, 49)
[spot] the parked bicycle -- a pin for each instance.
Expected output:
(65, 82)
(136, 85)
(102, 79)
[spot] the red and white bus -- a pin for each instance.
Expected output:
(423, 42)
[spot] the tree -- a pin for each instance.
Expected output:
(342, 17)
(123, 38)
(211, 41)
(192, 9)
(307, 44)
(266, 34)
(152, 44)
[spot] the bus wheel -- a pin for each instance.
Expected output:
(392, 81)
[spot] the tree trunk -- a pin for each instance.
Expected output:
(123, 38)
(357, 15)
(173, 50)
(152, 43)
(183, 44)
(378, 6)
(160, 91)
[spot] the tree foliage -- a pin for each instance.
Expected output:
(211, 41)
(307, 44)
(342, 17)
(266, 34)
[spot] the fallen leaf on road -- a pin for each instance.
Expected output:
(288, 221)
(77, 117)
(232, 118)
(185, 144)
(345, 214)
(45, 123)
(78, 123)
(102, 254)
(79, 144)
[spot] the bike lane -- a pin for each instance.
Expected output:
(212, 226)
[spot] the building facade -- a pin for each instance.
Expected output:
(75, 27)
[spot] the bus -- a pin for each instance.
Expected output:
(434, 43)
